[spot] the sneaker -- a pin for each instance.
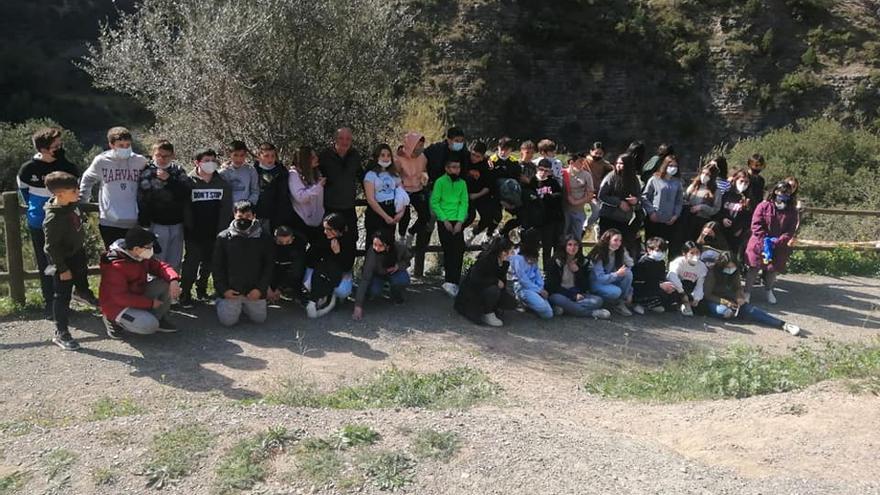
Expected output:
(312, 309)
(326, 308)
(687, 310)
(65, 341)
(728, 314)
(792, 328)
(601, 314)
(186, 301)
(166, 326)
(492, 320)
(622, 310)
(450, 289)
(771, 298)
(114, 331)
(638, 309)
(658, 309)
(85, 297)
(558, 311)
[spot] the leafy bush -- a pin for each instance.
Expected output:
(797, 84)
(16, 148)
(836, 263)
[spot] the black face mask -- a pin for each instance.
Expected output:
(453, 177)
(243, 223)
(59, 153)
(756, 171)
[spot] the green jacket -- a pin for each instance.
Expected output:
(65, 233)
(449, 200)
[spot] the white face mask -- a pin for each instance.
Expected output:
(780, 205)
(742, 186)
(208, 167)
(692, 260)
(122, 153)
(384, 164)
(146, 254)
(671, 170)
(656, 255)
(730, 270)
(503, 155)
(704, 179)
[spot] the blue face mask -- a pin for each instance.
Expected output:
(457, 146)
(783, 198)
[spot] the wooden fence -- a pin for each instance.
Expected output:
(16, 275)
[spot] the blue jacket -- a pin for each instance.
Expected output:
(33, 189)
(528, 275)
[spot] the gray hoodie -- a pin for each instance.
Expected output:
(244, 182)
(663, 197)
(117, 198)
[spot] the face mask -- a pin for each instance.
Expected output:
(503, 155)
(656, 255)
(452, 176)
(596, 158)
(122, 153)
(780, 205)
(742, 186)
(163, 167)
(457, 146)
(671, 170)
(146, 254)
(730, 270)
(704, 179)
(384, 164)
(756, 171)
(267, 167)
(692, 260)
(783, 198)
(208, 167)
(243, 223)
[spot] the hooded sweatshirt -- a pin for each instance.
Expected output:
(274, 203)
(65, 235)
(412, 170)
(209, 209)
(124, 279)
(162, 201)
(243, 260)
(688, 278)
(117, 199)
(244, 182)
(32, 188)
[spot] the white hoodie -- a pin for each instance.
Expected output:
(688, 278)
(117, 198)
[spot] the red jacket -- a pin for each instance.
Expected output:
(123, 280)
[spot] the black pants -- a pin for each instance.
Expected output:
(490, 215)
(351, 221)
(79, 265)
(494, 298)
(47, 284)
(290, 276)
(671, 233)
(196, 263)
(111, 234)
(629, 232)
(313, 234)
(419, 202)
(453, 253)
(373, 222)
(551, 232)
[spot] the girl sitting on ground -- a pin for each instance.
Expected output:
(483, 293)
(568, 281)
(611, 274)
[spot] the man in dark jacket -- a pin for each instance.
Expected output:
(451, 149)
(243, 263)
(341, 165)
(163, 195)
(273, 207)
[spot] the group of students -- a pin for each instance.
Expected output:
(265, 231)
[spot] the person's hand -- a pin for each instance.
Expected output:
(573, 266)
(457, 228)
(655, 217)
(624, 206)
(667, 287)
(162, 174)
(727, 222)
(500, 284)
(254, 294)
(391, 269)
(695, 209)
(791, 242)
(334, 246)
(672, 220)
(388, 219)
(230, 294)
(544, 293)
(66, 275)
(157, 303)
(632, 200)
(399, 216)
(174, 289)
(447, 226)
(740, 301)
(694, 304)
(272, 295)
(621, 272)
(322, 181)
(358, 313)
(579, 297)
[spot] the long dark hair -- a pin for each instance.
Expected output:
(626, 181)
(602, 249)
(303, 165)
(530, 243)
(386, 237)
(712, 185)
(780, 187)
(495, 246)
(561, 254)
(374, 164)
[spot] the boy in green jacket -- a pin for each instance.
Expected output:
(449, 202)
(65, 238)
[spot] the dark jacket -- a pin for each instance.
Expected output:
(243, 260)
(720, 287)
(550, 195)
(553, 278)
(343, 176)
(648, 274)
(124, 279)
(274, 200)
(439, 153)
(484, 273)
(376, 264)
(65, 235)
(733, 208)
(210, 207)
(612, 191)
(290, 261)
(33, 189)
(162, 201)
(320, 253)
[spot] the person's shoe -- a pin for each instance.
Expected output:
(792, 328)
(326, 308)
(114, 331)
(450, 289)
(686, 310)
(85, 297)
(622, 310)
(166, 326)
(558, 311)
(658, 309)
(728, 314)
(771, 298)
(186, 301)
(312, 309)
(65, 341)
(638, 309)
(492, 320)
(601, 314)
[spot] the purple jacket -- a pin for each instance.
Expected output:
(767, 221)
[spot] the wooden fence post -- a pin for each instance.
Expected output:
(14, 257)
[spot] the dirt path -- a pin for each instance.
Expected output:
(546, 437)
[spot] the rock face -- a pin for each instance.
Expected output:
(573, 70)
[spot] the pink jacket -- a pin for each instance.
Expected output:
(767, 221)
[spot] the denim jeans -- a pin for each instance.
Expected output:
(396, 280)
(574, 222)
(584, 307)
(748, 312)
(615, 291)
(533, 301)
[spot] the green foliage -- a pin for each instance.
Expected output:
(837, 263)
(454, 388)
(388, 470)
(106, 408)
(321, 466)
(174, 453)
(740, 371)
(798, 84)
(740, 48)
(809, 58)
(58, 462)
(432, 444)
(245, 464)
(355, 435)
(767, 41)
(104, 476)
(16, 148)
(13, 482)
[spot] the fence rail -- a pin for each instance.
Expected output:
(16, 275)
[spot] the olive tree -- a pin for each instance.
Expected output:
(287, 71)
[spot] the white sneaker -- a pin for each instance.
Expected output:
(558, 311)
(311, 309)
(638, 309)
(728, 314)
(658, 309)
(686, 310)
(492, 320)
(450, 289)
(601, 314)
(771, 298)
(792, 328)
(326, 309)
(622, 310)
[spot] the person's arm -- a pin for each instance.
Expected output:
(484, 273)
(679, 201)
(697, 294)
(253, 184)
(566, 188)
(648, 197)
(367, 273)
(370, 194)
(145, 214)
(605, 195)
(790, 227)
(713, 210)
(759, 228)
(90, 177)
(113, 281)
(436, 194)
(24, 189)
(672, 275)
(300, 191)
(520, 268)
(600, 275)
(54, 242)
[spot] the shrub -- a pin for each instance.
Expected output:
(836, 263)
(797, 84)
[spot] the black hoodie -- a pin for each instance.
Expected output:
(243, 260)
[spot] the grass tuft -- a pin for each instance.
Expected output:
(354, 436)
(245, 464)
(388, 470)
(432, 444)
(174, 453)
(12, 483)
(104, 477)
(58, 462)
(107, 408)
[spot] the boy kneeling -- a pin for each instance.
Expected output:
(243, 262)
(128, 301)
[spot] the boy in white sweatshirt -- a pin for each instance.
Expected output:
(687, 273)
(118, 170)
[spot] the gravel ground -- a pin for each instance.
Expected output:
(546, 436)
